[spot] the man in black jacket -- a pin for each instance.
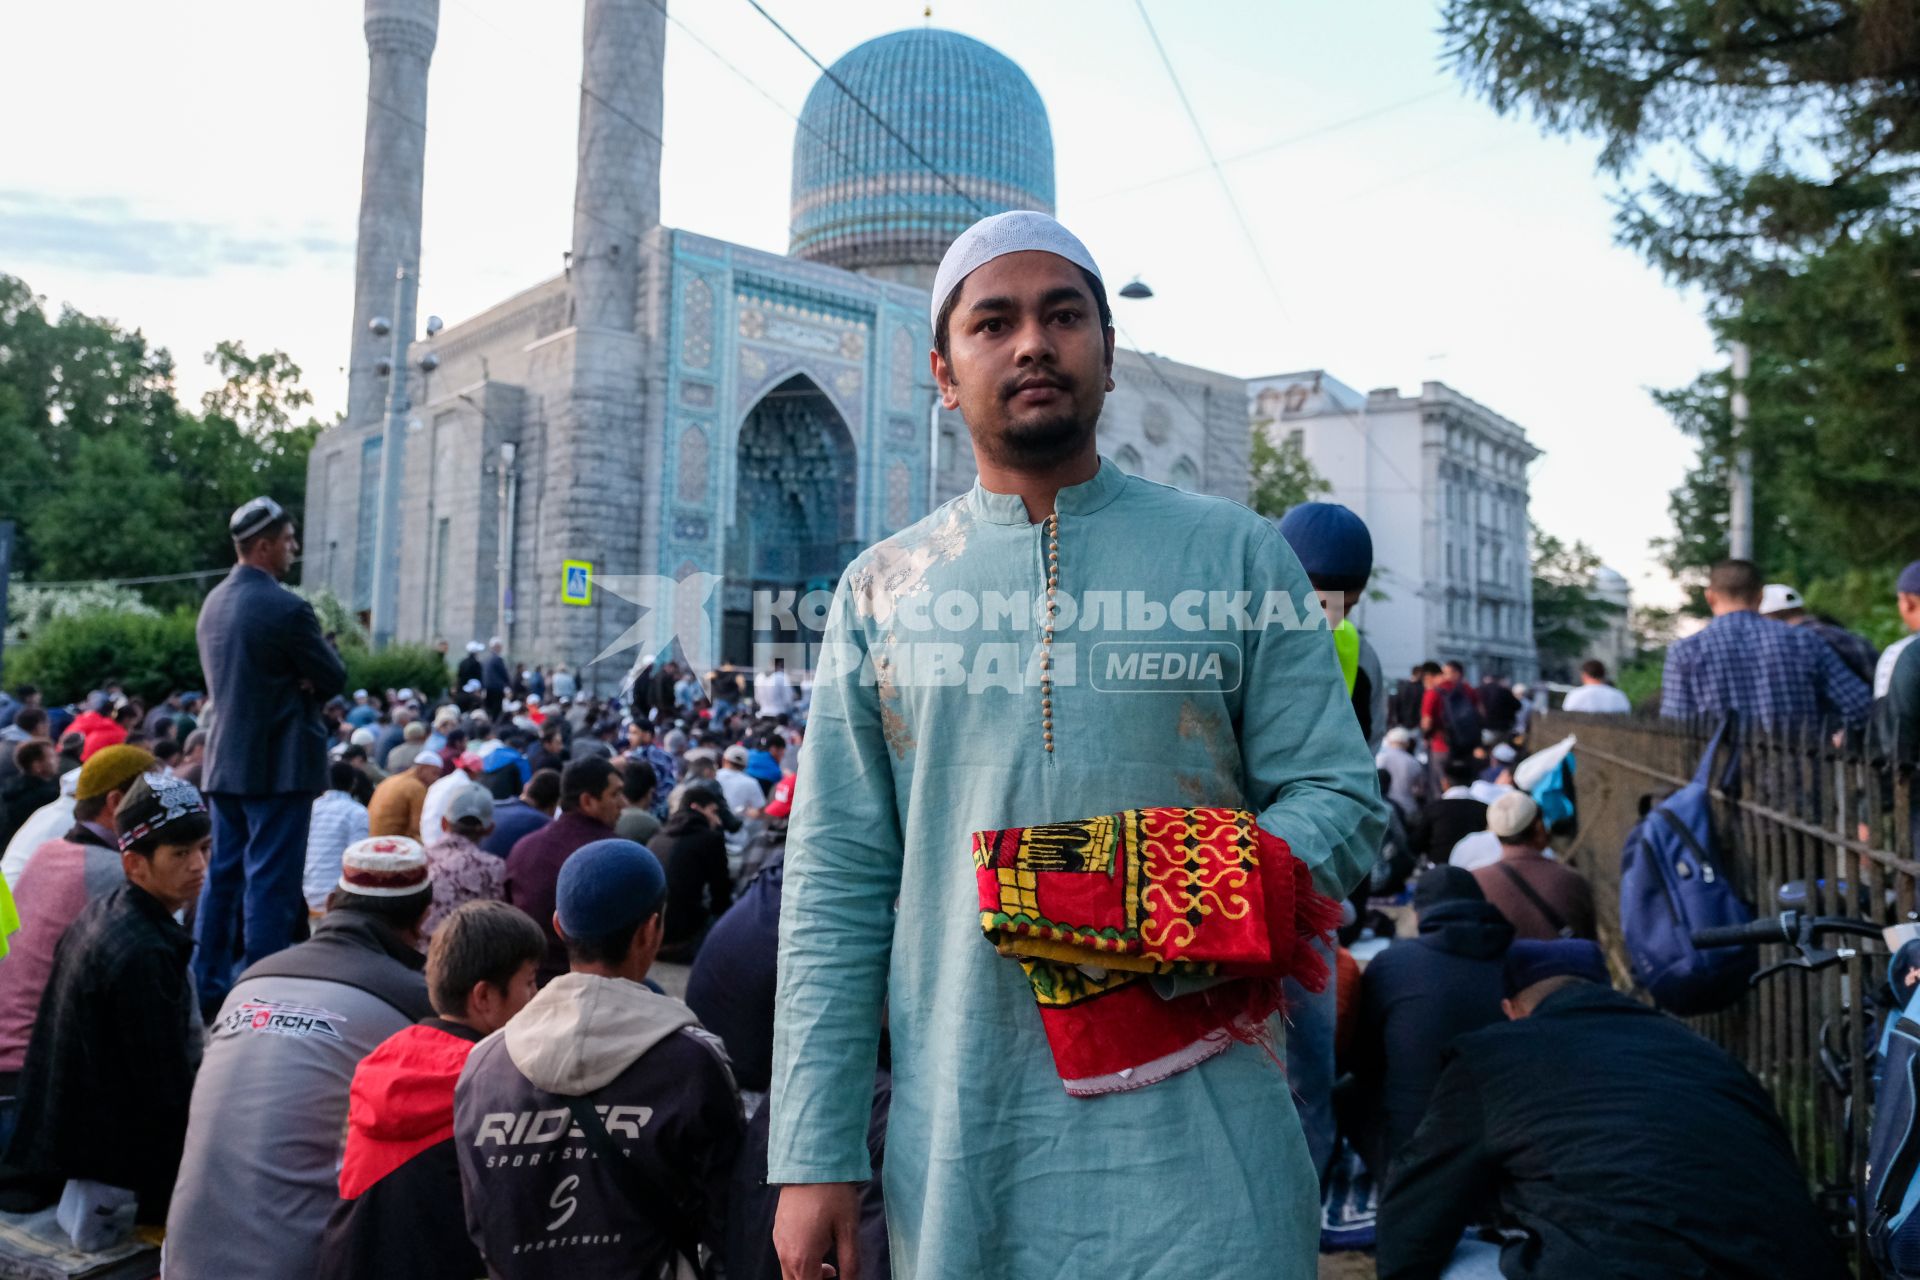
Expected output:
(597, 1132)
(1415, 998)
(1441, 822)
(694, 853)
(109, 1071)
(269, 671)
(1614, 1142)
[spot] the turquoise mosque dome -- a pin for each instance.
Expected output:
(864, 202)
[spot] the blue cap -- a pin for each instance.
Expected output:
(1909, 584)
(500, 758)
(1333, 545)
(607, 886)
(1530, 960)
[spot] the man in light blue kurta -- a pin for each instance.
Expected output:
(932, 719)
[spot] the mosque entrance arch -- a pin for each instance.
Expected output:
(794, 508)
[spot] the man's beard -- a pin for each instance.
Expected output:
(1039, 442)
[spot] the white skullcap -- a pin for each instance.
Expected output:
(1017, 231)
(1512, 815)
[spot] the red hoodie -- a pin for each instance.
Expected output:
(401, 1102)
(98, 730)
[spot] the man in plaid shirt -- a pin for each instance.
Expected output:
(1769, 672)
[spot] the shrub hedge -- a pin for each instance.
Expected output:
(152, 656)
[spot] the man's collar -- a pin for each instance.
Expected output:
(1074, 500)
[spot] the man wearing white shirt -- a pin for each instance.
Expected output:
(745, 796)
(773, 692)
(1595, 696)
(456, 779)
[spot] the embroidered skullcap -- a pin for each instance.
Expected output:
(253, 518)
(156, 802)
(111, 768)
(1017, 231)
(384, 867)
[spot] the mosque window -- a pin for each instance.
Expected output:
(1127, 458)
(1184, 475)
(692, 466)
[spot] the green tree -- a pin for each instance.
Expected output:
(1801, 117)
(1566, 614)
(1796, 209)
(1283, 478)
(106, 473)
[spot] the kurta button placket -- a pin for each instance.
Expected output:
(1046, 633)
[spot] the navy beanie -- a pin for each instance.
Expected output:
(1530, 960)
(1333, 545)
(1909, 583)
(607, 886)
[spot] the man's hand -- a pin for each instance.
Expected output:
(812, 1218)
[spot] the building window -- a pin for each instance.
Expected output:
(1184, 476)
(1127, 458)
(947, 449)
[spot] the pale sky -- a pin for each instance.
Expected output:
(192, 169)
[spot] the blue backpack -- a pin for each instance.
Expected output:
(1671, 885)
(1893, 1145)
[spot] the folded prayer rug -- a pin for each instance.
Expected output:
(1117, 919)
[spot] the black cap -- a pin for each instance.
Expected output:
(707, 791)
(255, 518)
(1531, 960)
(1446, 883)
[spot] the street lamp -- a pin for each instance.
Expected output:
(393, 443)
(1135, 288)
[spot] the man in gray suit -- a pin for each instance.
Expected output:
(269, 670)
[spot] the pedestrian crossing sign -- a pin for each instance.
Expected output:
(576, 582)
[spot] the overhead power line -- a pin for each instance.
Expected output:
(1233, 202)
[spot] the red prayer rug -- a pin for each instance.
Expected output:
(1094, 909)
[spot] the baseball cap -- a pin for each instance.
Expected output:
(430, 758)
(1400, 736)
(607, 886)
(1513, 814)
(471, 803)
(735, 754)
(1778, 597)
(780, 804)
(254, 518)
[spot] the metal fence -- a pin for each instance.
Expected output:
(1814, 825)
